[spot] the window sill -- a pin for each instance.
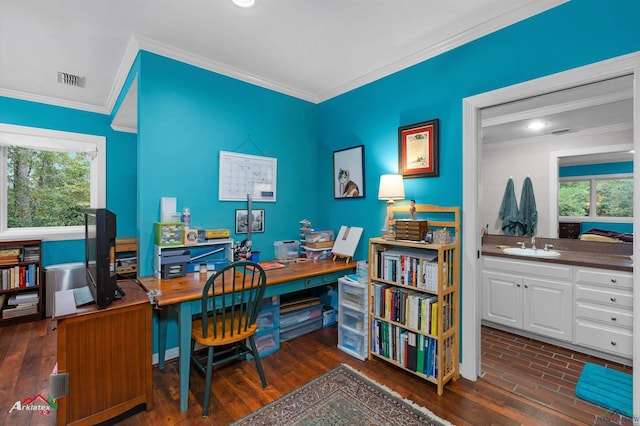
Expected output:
(44, 234)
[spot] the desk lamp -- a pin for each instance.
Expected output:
(391, 189)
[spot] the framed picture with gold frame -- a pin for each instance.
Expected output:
(418, 149)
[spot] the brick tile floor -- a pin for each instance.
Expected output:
(542, 372)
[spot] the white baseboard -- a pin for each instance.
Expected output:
(169, 354)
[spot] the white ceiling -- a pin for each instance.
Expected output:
(600, 107)
(310, 49)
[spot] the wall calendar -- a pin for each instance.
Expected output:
(242, 175)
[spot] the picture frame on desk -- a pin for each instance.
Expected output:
(257, 221)
(418, 149)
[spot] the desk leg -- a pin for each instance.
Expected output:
(162, 336)
(184, 337)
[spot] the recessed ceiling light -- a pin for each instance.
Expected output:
(536, 125)
(244, 3)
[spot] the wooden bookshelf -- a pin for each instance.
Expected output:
(127, 257)
(20, 278)
(414, 292)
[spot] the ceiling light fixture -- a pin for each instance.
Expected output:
(244, 3)
(536, 125)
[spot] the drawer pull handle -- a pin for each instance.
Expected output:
(518, 285)
(526, 286)
(613, 299)
(613, 318)
(613, 280)
(613, 343)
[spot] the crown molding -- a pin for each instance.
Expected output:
(137, 43)
(220, 68)
(31, 97)
(502, 21)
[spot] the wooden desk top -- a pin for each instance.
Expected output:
(189, 287)
(134, 295)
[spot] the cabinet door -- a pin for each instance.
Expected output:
(548, 308)
(502, 298)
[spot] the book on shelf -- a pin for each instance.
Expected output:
(19, 276)
(13, 312)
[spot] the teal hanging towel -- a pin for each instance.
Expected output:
(509, 210)
(528, 214)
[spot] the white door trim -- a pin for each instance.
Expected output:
(472, 197)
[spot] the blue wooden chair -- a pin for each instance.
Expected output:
(231, 299)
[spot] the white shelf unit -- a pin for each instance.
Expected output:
(225, 243)
(353, 334)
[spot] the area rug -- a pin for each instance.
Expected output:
(343, 396)
(607, 388)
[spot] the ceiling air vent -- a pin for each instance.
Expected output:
(71, 79)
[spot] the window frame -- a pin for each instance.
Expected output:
(80, 142)
(593, 217)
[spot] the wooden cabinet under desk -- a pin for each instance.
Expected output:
(107, 354)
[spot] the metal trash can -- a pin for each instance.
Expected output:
(64, 276)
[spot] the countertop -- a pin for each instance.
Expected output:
(573, 252)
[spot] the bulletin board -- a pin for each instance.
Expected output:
(242, 174)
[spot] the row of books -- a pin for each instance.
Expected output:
(19, 276)
(9, 255)
(19, 305)
(413, 267)
(412, 351)
(413, 309)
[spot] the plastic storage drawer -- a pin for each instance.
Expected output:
(354, 320)
(353, 294)
(291, 319)
(299, 329)
(267, 342)
(351, 341)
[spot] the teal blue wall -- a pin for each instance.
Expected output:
(121, 172)
(186, 115)
(557, 40)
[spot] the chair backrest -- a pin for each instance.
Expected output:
(231, 298)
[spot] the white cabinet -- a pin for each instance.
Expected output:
(604, 310)
(528, 296)
(352, 318)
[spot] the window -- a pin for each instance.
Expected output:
(47, 180)
(598, 197)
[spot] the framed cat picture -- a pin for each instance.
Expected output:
(348, 173)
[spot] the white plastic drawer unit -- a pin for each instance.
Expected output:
(353, 342)
(353, 320)
(352, 294)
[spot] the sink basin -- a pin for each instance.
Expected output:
(517, 251)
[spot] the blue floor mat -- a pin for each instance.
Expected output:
(607, 388)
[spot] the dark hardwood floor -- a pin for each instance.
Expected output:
(28, 355)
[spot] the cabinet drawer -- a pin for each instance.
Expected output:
(607, 297)
(615, 342)
(354, 320)
(352, 296)
(611, 317)
(556, 272)
(604, 277)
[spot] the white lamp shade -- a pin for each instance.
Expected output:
(391, 187)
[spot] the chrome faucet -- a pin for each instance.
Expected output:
(533, 243)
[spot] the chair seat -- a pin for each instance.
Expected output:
(229, 337)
